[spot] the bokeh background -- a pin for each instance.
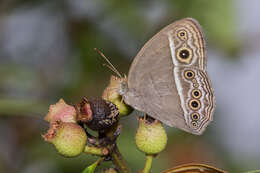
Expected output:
(46, 53)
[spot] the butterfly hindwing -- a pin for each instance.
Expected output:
(196, 96)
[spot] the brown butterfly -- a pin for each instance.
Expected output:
(168, 78)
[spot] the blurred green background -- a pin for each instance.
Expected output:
(46, 53)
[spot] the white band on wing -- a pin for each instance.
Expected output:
(176, 76)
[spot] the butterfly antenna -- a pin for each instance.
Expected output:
(109, 65)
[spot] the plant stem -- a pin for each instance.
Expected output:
(118, 161)
(96, 151)
(148, 164)
(19, 107)
(255, 171)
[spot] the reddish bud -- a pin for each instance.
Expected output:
(61, 112)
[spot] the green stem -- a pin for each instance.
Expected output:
(96, 151)
(254, 171)
(21, 107)
(118, 161)
(148, 164)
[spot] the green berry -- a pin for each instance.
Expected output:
(69, 139)
(150, 137)
(123, 108)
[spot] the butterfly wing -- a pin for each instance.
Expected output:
(155, 81)
(196, 95)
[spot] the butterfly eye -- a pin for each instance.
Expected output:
(195, 116)
(194, 124)
(184, 54)
(196, 93)
(189, 74)
(194, 104)
(182, 34)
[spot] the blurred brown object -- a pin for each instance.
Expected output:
(194, 168)
(191, 149)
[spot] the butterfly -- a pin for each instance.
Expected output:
(168, 79)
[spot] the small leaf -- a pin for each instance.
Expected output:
(92, 167)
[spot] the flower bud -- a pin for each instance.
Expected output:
(150, 137)
(61, 112)
(97, 114)
(69, 139)
(111, 94)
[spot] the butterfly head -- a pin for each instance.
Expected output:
(122, 85)
(117, 87)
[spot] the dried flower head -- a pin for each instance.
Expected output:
(61, 112)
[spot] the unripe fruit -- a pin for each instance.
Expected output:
(123, 108)
(69, 139)
(150, 137)
(111, 94)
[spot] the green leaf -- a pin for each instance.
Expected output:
(92, 167)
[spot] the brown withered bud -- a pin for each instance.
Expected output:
(84, 112)
(97, 114)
